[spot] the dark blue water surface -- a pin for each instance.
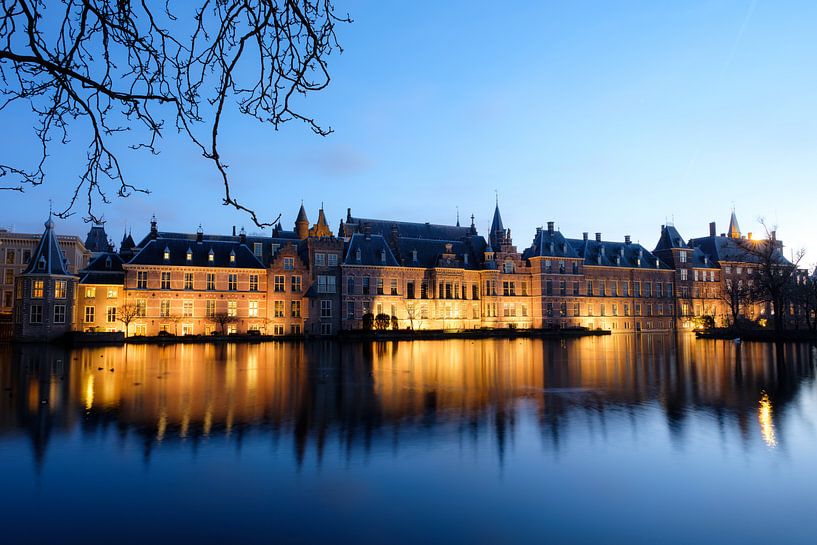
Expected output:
(622, 439)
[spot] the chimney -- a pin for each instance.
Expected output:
(626, 239)
(538, 230)
(154, 230)
(584, 236)
(199, 235)
(348, 215)
(242, 236)
(367, 230)
(233, 230)
(598, 237)
(550, 227)
(712, 229)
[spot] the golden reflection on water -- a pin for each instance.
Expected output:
(764, 416)
(309, 389)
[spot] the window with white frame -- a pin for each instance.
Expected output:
(326, 309)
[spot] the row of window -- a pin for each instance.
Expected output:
(551, 309)
(11, 257)
(189, 284)
(38, 289)
(610, 288)
(699, 276)
(35, 315)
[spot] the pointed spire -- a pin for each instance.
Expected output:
(497, 233)
(458, 216)
(734, 228)
(47, 257)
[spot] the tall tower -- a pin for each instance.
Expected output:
(498, 235)
(302, 224)
(734, 228)
(44, 292)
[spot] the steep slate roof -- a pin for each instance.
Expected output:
(97, 239)
(370, 251)
(590, 249)
(496, 224)
(670, 239)
(729, 249)
(547, 243)
(302, 214)
(153, 253)
(430, 252)
(105, 268)
(406, 229)
(127, 243)
(47, 257)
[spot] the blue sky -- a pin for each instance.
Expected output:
(601, 116)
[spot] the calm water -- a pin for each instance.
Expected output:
(654, 439)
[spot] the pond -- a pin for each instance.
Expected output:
(619, 439)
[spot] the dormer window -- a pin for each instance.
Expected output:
(108, 262)
(232, 256)
(383, 256)
(509, 267)
(166, 254)
(41, 263)
(414, 255)
(211, 256)
(357, 254)
(465, 258)
(189, 254)
(657, 264)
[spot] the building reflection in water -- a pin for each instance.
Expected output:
(357, 395)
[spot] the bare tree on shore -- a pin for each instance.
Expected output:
(126, 313)
(118, 73)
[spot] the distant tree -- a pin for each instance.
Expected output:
(776, 277)
(382, 321)
(117, 71)
(805, 299)
(126, 313)
(395, 323)
(737, 295)
(413, 315)
(368, 321)
(222, 320)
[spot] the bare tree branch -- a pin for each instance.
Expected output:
(119, 70)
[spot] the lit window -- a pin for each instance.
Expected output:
(164, 309)
(252, 312)
(289, 263)
(296, 284)
(278, 309)
(37, 289)
(187, 309)
(90, 293)
(165, 280)
(60, 289)
(211, 257)
(232, 282)
(253, 282)
(295, 309)
(232, 308)
(112, 293)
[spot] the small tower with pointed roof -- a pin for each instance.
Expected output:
(44, 292)
(321, 228)
(734, 228)
(302, 224)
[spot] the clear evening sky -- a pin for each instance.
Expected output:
(601, 116)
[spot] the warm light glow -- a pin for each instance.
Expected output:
(764, 416)
(89, 393)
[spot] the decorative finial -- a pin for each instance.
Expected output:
(496, 191)
(50, 207)
(458, 216)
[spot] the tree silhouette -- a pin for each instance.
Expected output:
(124, 68)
